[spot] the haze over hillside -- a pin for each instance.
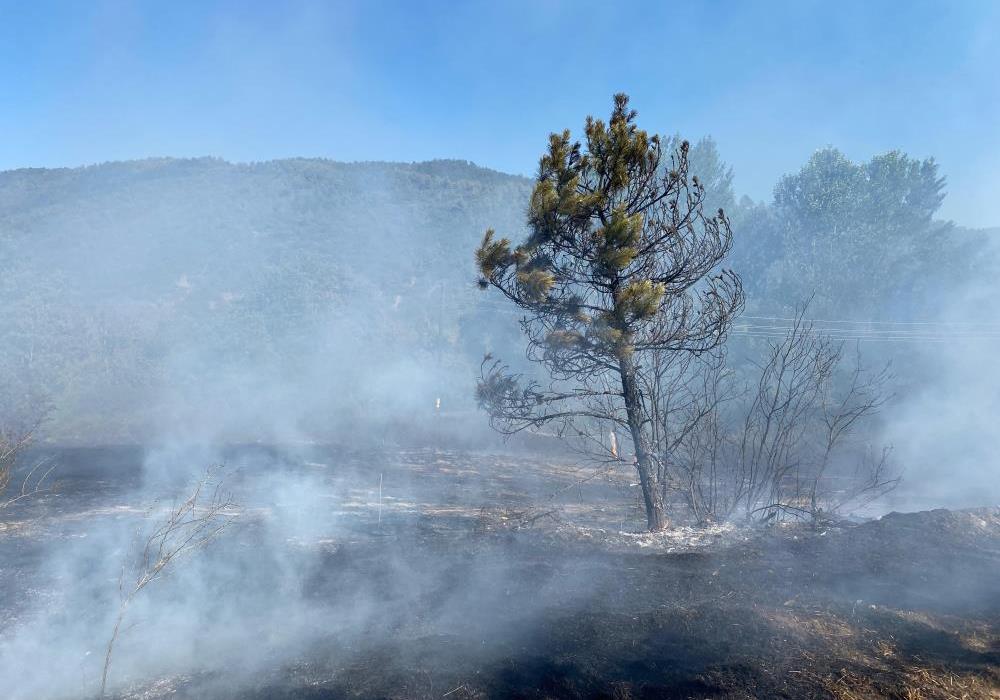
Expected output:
(126, 280)
(301, 299)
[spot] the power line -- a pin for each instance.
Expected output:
(874, 332)
(902, 339)
(876, 323)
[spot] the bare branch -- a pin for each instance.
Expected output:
(187, 527)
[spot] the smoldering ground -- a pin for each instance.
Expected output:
(274, 588)
(454, 586)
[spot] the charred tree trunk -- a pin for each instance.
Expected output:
(656, 519)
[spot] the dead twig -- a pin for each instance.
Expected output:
(13, 443)
(190, 525)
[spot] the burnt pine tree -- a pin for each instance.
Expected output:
(620, 266)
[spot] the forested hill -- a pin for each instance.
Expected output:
(294, 297)
(141, 228)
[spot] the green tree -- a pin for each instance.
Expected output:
(619, 266)
(861, 237)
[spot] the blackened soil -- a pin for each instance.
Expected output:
(776, 619)
(904, 607)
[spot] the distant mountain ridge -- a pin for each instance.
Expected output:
(153, 205)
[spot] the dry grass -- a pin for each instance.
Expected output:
(913, 683)
(873, 664)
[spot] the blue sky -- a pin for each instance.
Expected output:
(86, 82)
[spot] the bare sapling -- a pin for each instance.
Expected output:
(15, 487)
(188, 527)
(766, 449)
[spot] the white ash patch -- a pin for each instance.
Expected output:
(678, 539)
(160, 688)
(15, 527)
